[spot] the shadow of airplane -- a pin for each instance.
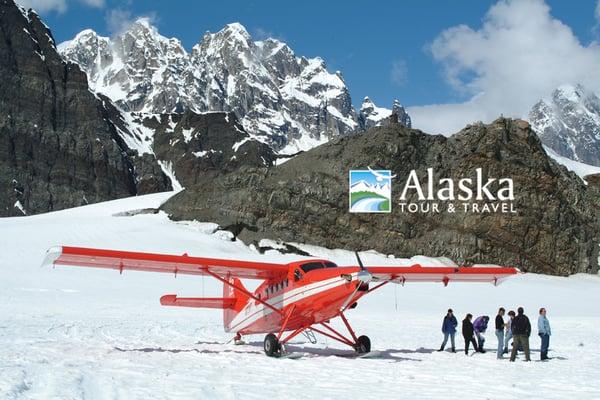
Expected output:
(388, 354)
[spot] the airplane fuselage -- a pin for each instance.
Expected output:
(314, 297)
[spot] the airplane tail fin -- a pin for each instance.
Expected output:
(240, 299)
(232, 302)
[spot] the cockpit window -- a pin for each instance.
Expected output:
(329, 264)
(311, 266)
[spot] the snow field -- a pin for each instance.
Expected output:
(71, 333)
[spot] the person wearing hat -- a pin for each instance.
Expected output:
(449, 329)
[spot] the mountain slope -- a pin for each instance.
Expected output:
(292, 103)
(554, 229)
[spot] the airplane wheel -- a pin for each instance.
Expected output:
(363, 344)
(271, 345)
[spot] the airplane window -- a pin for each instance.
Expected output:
(311, 266)
(329, 264)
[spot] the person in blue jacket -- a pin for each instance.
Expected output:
(480, 326)
(449, 329)
(544, 333)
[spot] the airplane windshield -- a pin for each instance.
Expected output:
(311, 266)
(316, 265)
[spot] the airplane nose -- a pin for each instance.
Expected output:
(364, 276)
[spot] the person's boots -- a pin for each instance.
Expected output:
(453, 350)
(441, 348)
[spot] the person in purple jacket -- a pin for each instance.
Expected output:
(480, 326)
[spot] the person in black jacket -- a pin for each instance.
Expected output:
(467, 332)
(521, 329)
(500, 325)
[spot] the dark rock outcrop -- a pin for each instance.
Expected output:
(195, 145)
(555, 229)
(58, 147)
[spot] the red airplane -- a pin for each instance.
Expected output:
(301, 296)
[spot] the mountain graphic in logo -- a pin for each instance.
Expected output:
(370, 191)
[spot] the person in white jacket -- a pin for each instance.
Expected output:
(544, 333)
(508, 334)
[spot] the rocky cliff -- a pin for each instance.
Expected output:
(554, 230)
(58, 148)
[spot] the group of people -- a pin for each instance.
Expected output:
(517, 327)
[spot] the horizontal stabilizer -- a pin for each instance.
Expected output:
(199, 302)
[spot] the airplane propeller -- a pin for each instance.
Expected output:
(363, 275)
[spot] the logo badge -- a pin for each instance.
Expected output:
(370, 191)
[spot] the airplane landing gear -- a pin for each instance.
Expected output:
(272, 346)
(363, 345)
(237, 339)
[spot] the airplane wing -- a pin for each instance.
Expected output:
(418, 273)
(152, 262)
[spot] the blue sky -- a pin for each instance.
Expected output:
(382, 48)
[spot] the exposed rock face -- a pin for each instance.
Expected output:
(293, 103)
(193, 145)
(58, 148)
(569, 123)
(370, 115)
(555, 229)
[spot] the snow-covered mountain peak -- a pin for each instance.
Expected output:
(569, 123)
(237, 31)
(370, 115)
(367, 104)
(288, 101)
(569, 93)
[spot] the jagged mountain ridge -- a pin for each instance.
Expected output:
(370, 115)
(569, 123)
(292, 103)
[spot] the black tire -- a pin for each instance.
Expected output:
(272, 346)
(363, 344)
